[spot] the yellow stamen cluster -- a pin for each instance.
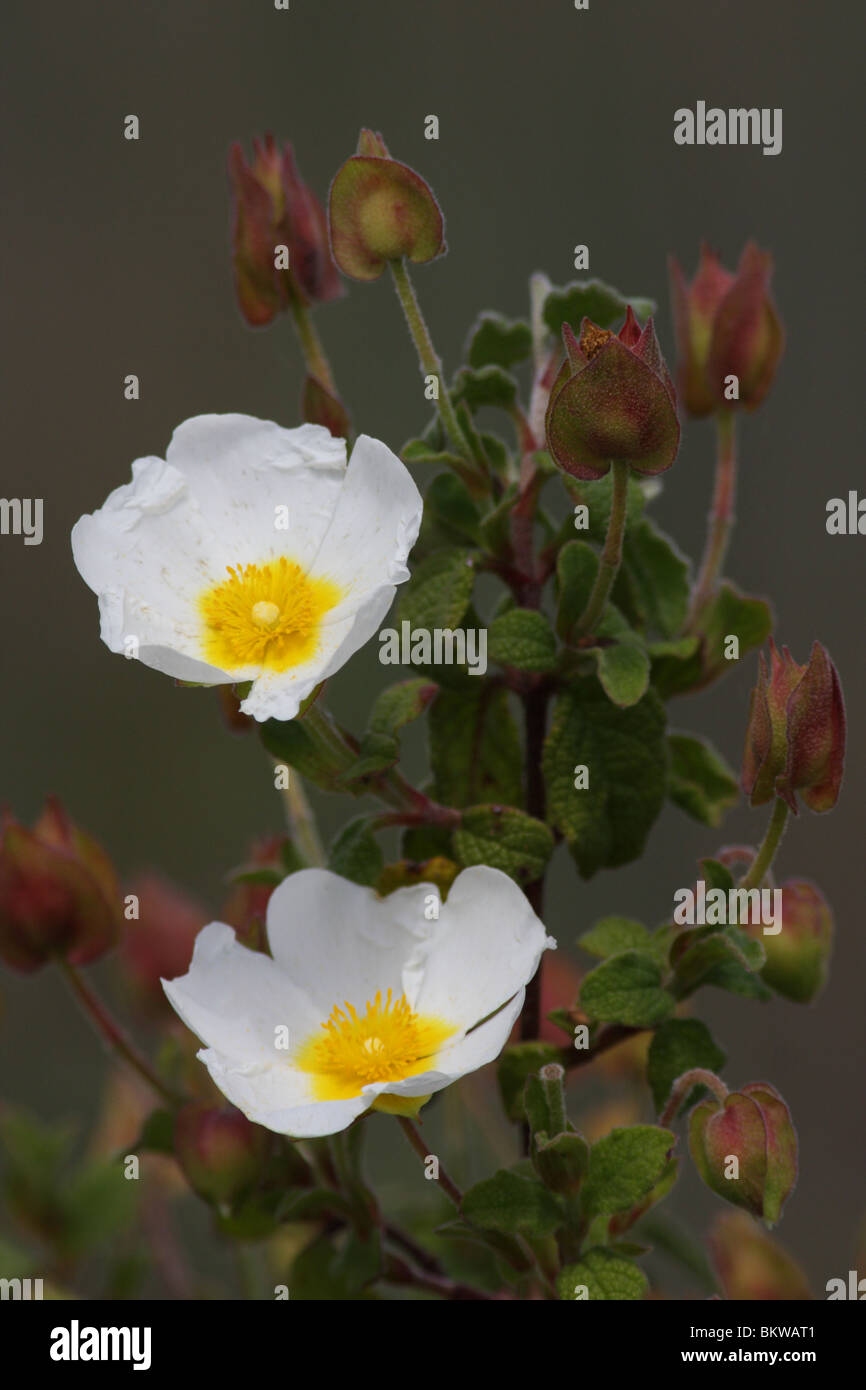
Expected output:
(387, 1043)
(265, 615)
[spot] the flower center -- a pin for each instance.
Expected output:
(387, 1043)
(265, 615)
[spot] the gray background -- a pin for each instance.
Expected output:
(556, 128)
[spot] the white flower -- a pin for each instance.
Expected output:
(380, 1007)
(251, 553)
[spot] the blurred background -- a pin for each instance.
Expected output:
(556, 128)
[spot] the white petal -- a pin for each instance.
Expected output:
(374, 526)
(488, 945)
(337, 941)
(234, 999)
(280, 1099)
(241, 469)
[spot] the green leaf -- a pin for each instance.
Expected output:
(659, 577)
(439, 591)
(399, 704)
(522, 638)
(449, 502)
(701, 783)
(513, 1205)
(498, 341)
(576, 567)
(491, 386)
(606, 823)
(716, 875)
(516, 1064)
(475, 749)
(157, 1133)
(612, 935)
(496, 524)
(506, 839)
(591, 299)
(605, 1275)
(626, 989)
(321, 763)
(98, 1203)
(677, 1046)
(624, 1166)
(324, 1273)
(728, 958)
(730, 614)
(355, 853)
(624, 671)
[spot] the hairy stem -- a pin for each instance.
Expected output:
(311, 344)
(698, 1076)
(721, 517)
(112, 1033)
(427, 354)
(300, 820)
(766, 854)
(611, 555)
(413, 1134)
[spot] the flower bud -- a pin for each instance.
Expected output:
(380, 211)
(797, 956)
(274, 207)
(726, 325)
(561, 1161)
(320, 407)
(795, 740)
(58, 893)
(220, 1151)
(159, 943)
(745, 1149)
(246, 905)
(613, 399)
(752, 1266)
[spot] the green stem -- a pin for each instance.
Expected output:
(764, 858)
(311, 344)
(427, 354)
(112, 1033)
(721, 517)
(611, 555)
(301, 821)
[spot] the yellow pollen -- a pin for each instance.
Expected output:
(389, 1042)
(266, 615)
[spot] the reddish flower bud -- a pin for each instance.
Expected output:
(726, 325)
(159, 943)
(795, 739)
(745, 1149)
(752, 1266)
(246, 905)
(58, 893)
(380, 211)
(320, 407)
(613, 399)
(220, 1151)
(273, 208)
(797, 956)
